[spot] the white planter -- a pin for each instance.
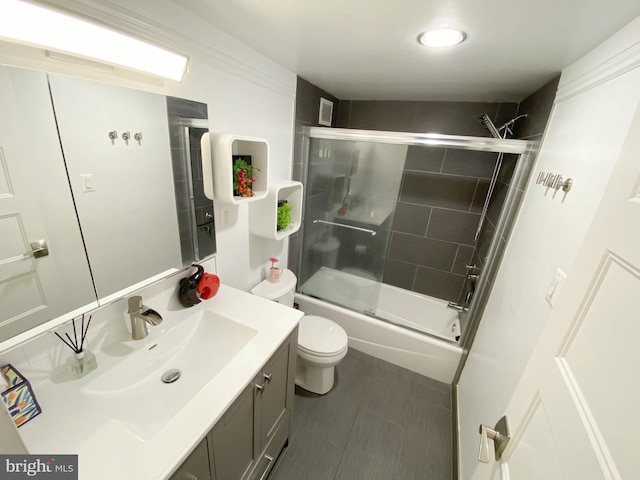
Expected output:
(218, 173)
(263, 214)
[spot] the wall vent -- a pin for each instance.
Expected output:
(326, 112)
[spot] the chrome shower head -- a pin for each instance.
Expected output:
(486, 122)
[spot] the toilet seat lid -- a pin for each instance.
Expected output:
(321, 335)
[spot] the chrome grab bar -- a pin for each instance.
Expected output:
(346, 226)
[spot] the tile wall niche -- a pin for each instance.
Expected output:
(443, 190)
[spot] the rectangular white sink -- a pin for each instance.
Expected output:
(133, 393)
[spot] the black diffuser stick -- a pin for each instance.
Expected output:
(75, 347)
(75, 335)
(84, 335)
(82, 332)
(65, 342)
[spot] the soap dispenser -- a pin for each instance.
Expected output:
(187, 293)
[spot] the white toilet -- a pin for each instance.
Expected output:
(322, 344)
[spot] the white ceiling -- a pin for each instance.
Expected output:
(367, 49)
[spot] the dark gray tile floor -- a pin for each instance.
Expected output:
(379, 422)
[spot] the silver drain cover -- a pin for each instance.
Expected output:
(171, 376)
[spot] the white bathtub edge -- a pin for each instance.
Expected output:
(422, 354)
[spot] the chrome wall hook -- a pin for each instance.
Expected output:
(562, 183)
(113, 135)
(126, 136)
(554, 181)
(138, 137)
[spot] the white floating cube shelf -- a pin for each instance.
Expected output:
(224, 147)
(263, 215)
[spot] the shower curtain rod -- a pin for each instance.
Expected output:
(482, 144)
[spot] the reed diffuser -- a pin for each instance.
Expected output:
(83, 361)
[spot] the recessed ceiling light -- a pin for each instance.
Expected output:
(441, 37)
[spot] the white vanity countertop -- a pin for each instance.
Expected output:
(70, 423)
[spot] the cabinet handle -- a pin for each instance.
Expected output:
(264, 474)
(267, 379)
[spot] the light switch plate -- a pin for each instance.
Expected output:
(555, 287)
(86, 181)
(225, 214)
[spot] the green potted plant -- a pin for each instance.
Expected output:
(283, 220)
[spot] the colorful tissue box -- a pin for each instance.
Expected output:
(18, 396)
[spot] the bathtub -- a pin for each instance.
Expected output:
(435, 355)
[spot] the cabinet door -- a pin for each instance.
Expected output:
(196, 466)
(272, 399)
(233, 438)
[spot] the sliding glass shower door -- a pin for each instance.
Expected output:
(352, 188)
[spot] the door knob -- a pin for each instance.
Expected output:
(39, 249)
(500, 435)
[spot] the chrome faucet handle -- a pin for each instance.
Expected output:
(135, 304)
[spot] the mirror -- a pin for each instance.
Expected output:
(109, 177)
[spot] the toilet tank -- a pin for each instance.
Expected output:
(281, 292)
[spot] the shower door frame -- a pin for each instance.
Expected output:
(523, 148)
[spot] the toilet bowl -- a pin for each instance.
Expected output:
(322, 343)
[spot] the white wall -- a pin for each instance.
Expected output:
(597, 97)
(245, 92)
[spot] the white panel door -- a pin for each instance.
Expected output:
(574, 412)
(35, 204)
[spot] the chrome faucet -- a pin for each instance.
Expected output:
(140, 315)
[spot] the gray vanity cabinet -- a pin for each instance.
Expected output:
(273, 408)
(252, 432)
(196, 466)
(232, 438)
(245, 442)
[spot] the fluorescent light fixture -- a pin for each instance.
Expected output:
(42, 27)
(441, 37)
